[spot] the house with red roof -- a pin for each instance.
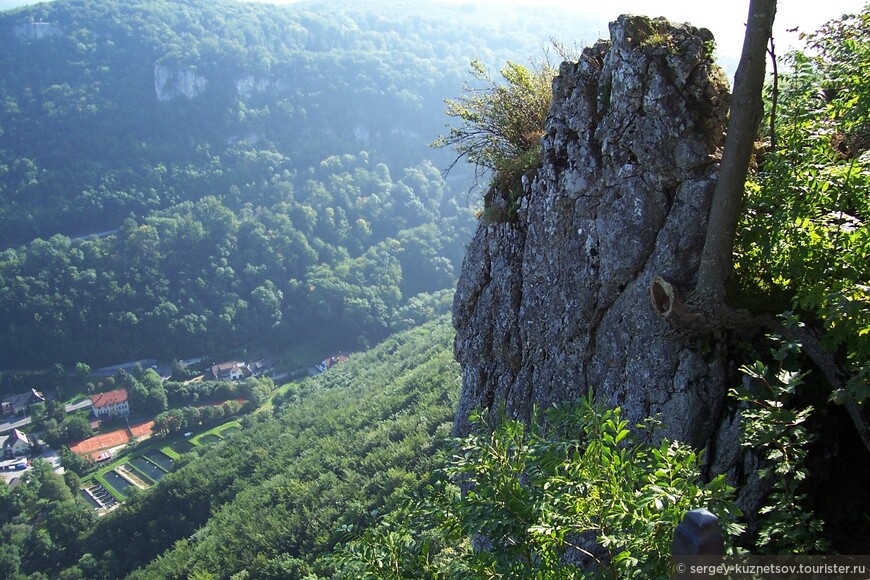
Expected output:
(16, 444)
(230, 371)
(329, 362)
(111, 403)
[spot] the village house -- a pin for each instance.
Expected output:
(21, 402)
(230, 371)
(111, 403)
(261, 367)
(330, 362)
(16, 444)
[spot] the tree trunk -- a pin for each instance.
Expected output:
(746, 111)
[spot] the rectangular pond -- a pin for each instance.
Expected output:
(117, 482)
(164, 461)
(209, 439)
(147, 467)
(183, 446)
(90, 499)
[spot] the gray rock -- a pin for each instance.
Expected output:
(556, 302)
(173, 80)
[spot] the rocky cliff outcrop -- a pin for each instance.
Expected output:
(36, 30)
(556, 302)
(251, 85)
(173, 80)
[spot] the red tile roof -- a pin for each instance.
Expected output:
(19, 436)
(111, 398)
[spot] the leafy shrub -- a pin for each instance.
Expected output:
(805, 237)
(772, 426)
(582, 496)
(500, 126)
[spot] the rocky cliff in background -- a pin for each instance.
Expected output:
(172, 81)
(556, 302)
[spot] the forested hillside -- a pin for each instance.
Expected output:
(345, 258)
(197, 175)
(114, 107)
(272, 499)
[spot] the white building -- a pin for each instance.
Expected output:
(16, 444)
(111, 403)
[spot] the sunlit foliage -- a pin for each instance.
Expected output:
(580, 498)
(500, 123)
(805, 237)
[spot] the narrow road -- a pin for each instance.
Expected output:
(11, 424)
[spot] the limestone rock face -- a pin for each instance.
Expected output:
(556, 303)
(251, 85)
(36, 30)
(172, 80)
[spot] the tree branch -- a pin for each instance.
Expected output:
(667, 301)
(774, 97)
(826, 363)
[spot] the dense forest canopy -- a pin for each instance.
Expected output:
(195, 175)
(338, 260)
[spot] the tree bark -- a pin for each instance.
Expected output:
(746, 112)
